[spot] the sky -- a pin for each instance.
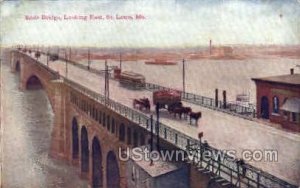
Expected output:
(167, 23)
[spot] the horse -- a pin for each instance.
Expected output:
(143, 103)
(195, 115)
(146, 102)
(181, 110)
(174, 105)
(177, 110)
(186, 111)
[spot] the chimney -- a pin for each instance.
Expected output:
(216, 98)
(224, 99)
(292, 71)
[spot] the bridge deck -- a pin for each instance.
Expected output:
(221, 130)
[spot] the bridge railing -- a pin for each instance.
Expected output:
(247, 112)
(54, 73)
(141, 119)
(226, 167)
(237, 173)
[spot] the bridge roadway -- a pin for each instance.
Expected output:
(222, 131)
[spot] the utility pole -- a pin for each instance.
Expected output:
(183, 76)
(106, 89)
(70, 54)
(48, 57)
(89, 59)
(66, 64)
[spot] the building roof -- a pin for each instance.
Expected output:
(291, 105)
(158, 168)
(290, 79)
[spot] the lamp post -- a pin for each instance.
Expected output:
(200, 135)
(157, 126)
(151, 138)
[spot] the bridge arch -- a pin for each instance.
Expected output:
(135, 138)
(75, 139)
(122, 132)
(33, 82)
(108, 122)
(112, 171)
(104, 119)
(84, 150)
(113, 125)
(97, 172)
(142, 139)
(128, 135)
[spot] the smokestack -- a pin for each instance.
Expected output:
(216, 97)
(292, 71)
(210, 44)
(224, 99)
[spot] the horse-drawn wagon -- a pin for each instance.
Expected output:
(167, 98)
(170, 100)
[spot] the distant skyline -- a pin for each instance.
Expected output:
(176, 23)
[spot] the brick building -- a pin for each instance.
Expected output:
(278, 100)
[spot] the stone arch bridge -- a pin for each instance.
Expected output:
(85, 133)
(88, 131)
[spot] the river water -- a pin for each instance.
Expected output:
(204, 76)
(26, 123)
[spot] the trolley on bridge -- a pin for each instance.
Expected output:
(132, 80)
(53, 57)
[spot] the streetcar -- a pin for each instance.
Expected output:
(132, 80)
